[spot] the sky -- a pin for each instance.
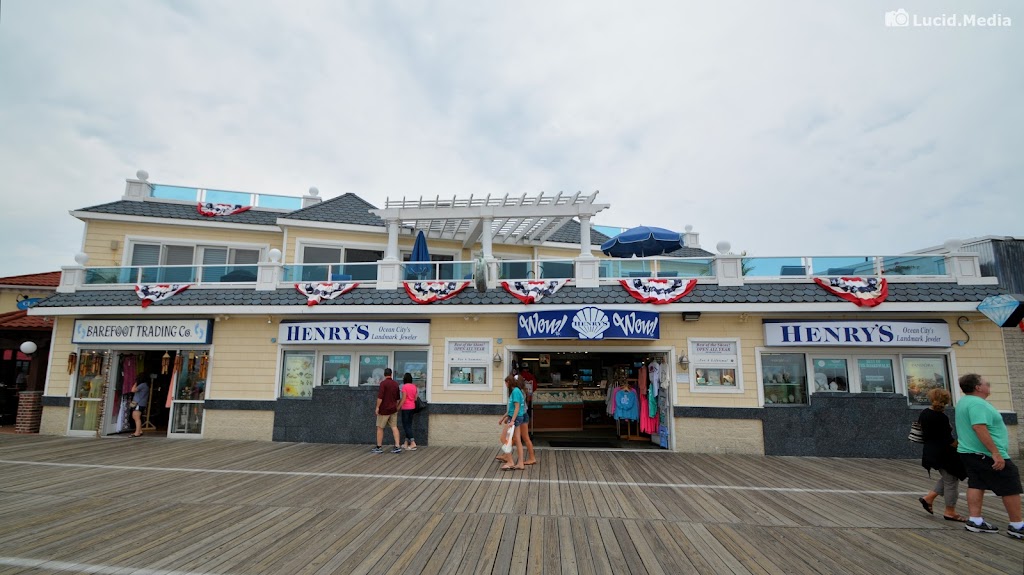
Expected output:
(783, 127)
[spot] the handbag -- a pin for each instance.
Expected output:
(916, 433)
(420, 405)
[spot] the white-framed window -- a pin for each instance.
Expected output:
(791, 377)
(715, 365)
(335, 257)
(467, 364)
(304, 368)
(193, 262)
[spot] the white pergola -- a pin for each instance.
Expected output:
(526, 220)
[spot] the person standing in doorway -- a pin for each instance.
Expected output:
(407, 406)
(388, 395)
(139, 400)
(983, 448)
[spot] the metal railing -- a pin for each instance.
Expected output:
(657, 267)
(225, 197)
(913, 265)
(208, 274)
(358, 272)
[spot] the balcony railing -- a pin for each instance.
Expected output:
(925, 265)
(209, 274)
(358, 272)
(225, 197)
(657, 267)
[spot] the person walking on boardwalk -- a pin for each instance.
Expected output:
(407, 407)
(513, 419)
(139, 400)
(983, 448)
(939, 453)
(387, 411)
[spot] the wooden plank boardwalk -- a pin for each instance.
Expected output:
(160, 506)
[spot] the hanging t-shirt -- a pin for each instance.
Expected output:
(642, 380)
(654, 374)
(626, 405)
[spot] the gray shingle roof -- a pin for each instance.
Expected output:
(690, 253)
(181, 212)
(568, 295)
(344, 209)
(570, 234)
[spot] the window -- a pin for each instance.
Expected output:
(876, 375)
(229, 264)
(371, 368)
(415, 364)
(365, 272)
(337, 370)
(714, 365)
(830, 374)
(152, 258)
(334, 256)
(297, 374)
(468, 364)
(221, 264)
(923, 374)
(784, 376)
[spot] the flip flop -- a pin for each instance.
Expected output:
(957, 518)
(927, 506)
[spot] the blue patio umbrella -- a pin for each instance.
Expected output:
(420, 253)
(642, 241)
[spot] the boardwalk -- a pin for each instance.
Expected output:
(161, 506)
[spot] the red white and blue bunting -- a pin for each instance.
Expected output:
(658, 291)
(212, 210)
(533, 291)
(150, 293)
(316, 293)
(429, 292)
(865, 292)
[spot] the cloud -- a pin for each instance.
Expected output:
(786, 128)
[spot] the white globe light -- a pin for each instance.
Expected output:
(81, 258)
(723, 247)
(952, 245)
(29, 347)
(688, 228)
(142, 175)
(274, 255)
(314, 192)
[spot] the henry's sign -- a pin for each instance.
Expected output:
(142, 331)
(856, 333)
(589, 323)
(355, 332)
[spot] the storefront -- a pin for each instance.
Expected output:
(110, 356)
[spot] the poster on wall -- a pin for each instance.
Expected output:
(924, 374)
(715, 364)
(298, 375)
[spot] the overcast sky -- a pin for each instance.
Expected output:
(786, 128)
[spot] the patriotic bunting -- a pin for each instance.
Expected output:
(316, 293)
(429, 292)
(211, 210)
(533, 291)
(658, 291)
(150, 293)
(865, 292)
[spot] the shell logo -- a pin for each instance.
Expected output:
(590, 323)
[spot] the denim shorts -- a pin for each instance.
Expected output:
(519, 421)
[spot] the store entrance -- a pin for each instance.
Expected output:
(130, 367)
(598, 400)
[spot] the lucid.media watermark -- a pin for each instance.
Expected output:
(903, 19)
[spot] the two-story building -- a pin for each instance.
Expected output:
(265, 317)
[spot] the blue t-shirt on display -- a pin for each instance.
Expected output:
(626, 405)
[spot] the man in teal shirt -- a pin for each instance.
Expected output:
(983, 447)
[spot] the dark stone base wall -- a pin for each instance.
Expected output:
(337, 415)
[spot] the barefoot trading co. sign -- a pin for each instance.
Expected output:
(589, 323)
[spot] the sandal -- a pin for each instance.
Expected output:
(958, 518)
(927, 506)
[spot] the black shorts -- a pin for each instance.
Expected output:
(980, 475)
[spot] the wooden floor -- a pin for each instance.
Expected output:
(162, 506)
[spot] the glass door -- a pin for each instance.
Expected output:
(191, 368)
(91, 381)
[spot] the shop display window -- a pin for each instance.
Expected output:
(371, 368)
(714, 365)
(876, 375)
(830, 374)
(923, 374)
(91, 379)
(297, 374)
(784, 378)
(337, 370)
(415, 364)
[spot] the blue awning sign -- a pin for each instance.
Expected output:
(589, 323)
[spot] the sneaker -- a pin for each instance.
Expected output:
(1015, 533)
(396, 450)
(983, 527)
(377, 450)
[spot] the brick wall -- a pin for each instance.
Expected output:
(30, 412)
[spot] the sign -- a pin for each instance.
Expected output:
(469, 352)
(355, 333)
(856, 333)
(714, 363)
(714, 353)
(142, 331)
(1005, 310)
(28, 302)
(589, 323)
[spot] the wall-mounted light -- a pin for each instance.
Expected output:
(497, 359)
(684, 362)
(691, 316)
